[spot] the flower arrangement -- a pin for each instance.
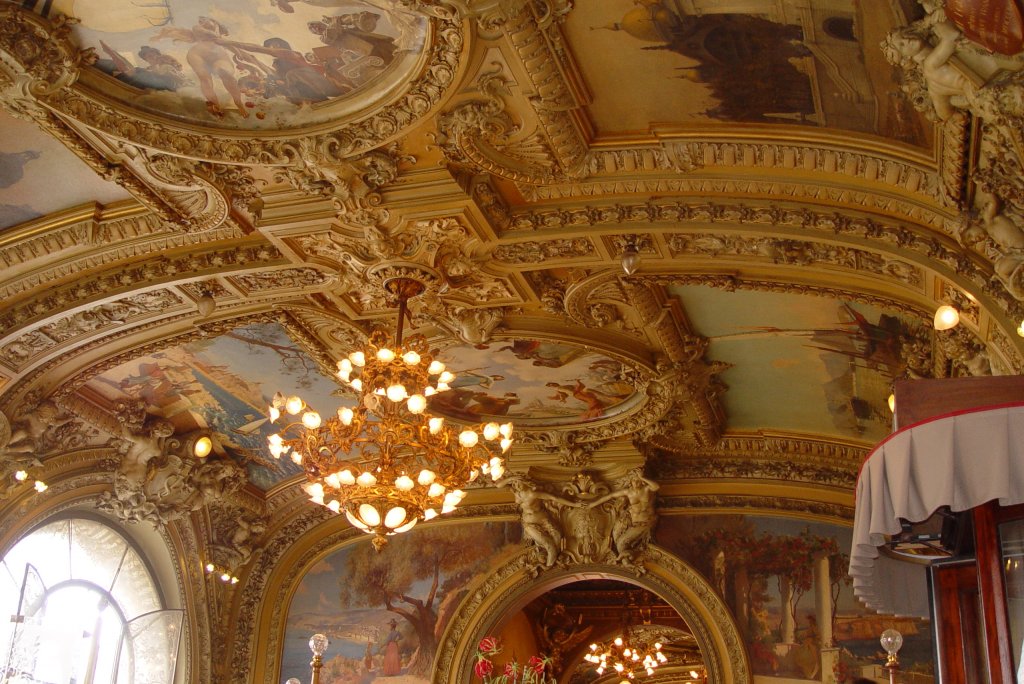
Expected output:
(535, 671)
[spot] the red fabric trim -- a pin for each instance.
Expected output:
(953, 414)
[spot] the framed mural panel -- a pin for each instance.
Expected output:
(765, 569)
(385, 613)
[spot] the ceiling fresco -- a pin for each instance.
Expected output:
(801, 362)
(544, 383)
(249, 65)
(791, 63)
(32, 163)
(225, 384)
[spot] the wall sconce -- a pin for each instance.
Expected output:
(946, 317)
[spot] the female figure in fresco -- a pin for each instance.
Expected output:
(392, 660)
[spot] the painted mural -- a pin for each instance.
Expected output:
(384, 613)
(248, 64)
(225, 384)
(763, 567)
(821, 361)
(812, 63)
(533, 380)
(30, 163)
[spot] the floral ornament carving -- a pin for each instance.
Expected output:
(440, 253)
(567, 446)
(589, 521)
(156, 481)
(539, 251)
(84, 323)
(479, 135)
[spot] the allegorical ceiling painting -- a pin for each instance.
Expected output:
(542, 382)
(814, 63)
(803, 363)
(34, 166)
(244, 64)
(225, 383)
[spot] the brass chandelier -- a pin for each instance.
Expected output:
(627, 657)
(385, 462)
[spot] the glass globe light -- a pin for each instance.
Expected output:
(318, 644)
(946, 317)
(294, 404)
(892, 641)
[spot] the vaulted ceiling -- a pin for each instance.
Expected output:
(203, 203)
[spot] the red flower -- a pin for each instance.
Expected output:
(537, 664)
(488, 645)
(483, 668)
(510, 669)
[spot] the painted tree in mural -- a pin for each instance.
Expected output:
(410, 578)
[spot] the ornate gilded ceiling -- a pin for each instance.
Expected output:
(801, 198)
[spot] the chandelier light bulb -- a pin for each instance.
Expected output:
(366, 479)
(435, 367)
(446, 377)
(395, 517)
(404, 483)
(468, 439)
(435, 490)
(429, 391)
(435, 425)
(21, 475)
(311, 419)
(40, 486)
(346, 477)
(333, 480)
(506, 430)
(357, 358)
(429, 514)
(296, 458)
(356, 384)
(397, 393)
(294, 404)
(443, 387)
(369, 514)
(345, 365)
(426, 477)
(274, 414)
(345, 415)
(1020, 329)
(315, 491)
(334, 505)
(385, 355)
(356, 522)
(417, 404)
(496, 472)
(946, 317)
(411, 358)
(505, 444)
(491, 431)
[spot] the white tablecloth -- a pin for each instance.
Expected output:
(961, 460)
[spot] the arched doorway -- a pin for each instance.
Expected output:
(505, 598)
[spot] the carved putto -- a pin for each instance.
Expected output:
(589, 521)
(156, 480)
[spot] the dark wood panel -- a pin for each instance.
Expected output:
(918, 400)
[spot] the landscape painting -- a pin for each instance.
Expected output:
(815, 64)
(247, 64)
(385, 613)
(827, 362)
(764, 569)
(225, 384)
(533, 380)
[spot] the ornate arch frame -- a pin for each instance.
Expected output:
(667, 575)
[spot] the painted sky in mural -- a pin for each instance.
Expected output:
(33, 165)
(344, 594)
(532, 379)
(805, 362)
(816, 64)
(248, 64)
(225, 383)
(744, 558)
